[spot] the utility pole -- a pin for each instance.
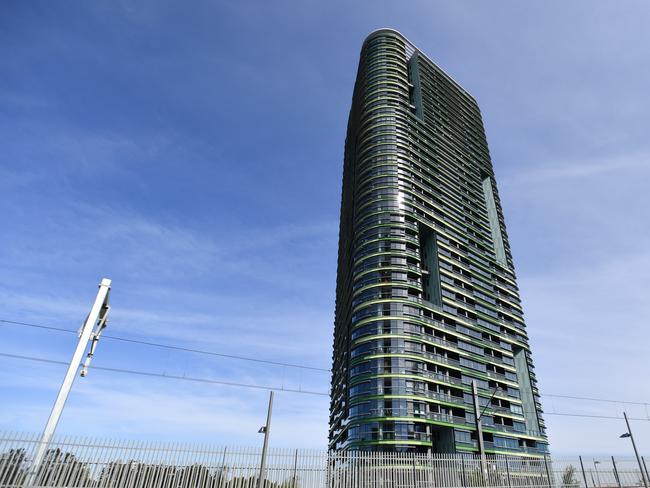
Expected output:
(96, 320)
(265, 430)
(636, 453)
(479, 429)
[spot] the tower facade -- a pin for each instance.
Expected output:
(426, 296)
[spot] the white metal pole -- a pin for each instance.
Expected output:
(267, 431)
(100, 305)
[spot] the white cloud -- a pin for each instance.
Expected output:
(589, 339)
(113, 405)
(564, 172)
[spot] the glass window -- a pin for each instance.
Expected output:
(506, 442)
(463, 436)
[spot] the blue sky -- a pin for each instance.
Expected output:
(192, 152)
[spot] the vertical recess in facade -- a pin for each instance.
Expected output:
(526, 389)
(431, 290)
(493, 218)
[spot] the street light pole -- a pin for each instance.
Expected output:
(596, 463)
(265, 430)
(479, 429)
(636, 452)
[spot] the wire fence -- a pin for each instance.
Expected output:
(91, 463)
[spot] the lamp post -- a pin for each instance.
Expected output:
(478, 414)
(636, 452)
(266, 429)
(596, 463)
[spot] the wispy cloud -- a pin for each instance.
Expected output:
(131, 407)
(143, 246)
(566, 171)
(587, 319)
(135, 147)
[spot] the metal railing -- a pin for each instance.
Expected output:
(90, 463)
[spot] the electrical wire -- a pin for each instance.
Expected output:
(278, 363)
(167, 376)
(594, 399)
(38, 326)
(169, 346)
(259, 387)
(544, 414)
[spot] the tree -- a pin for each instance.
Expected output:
(569, 477)
(13, 466)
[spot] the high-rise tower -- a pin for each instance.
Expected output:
(426, 295)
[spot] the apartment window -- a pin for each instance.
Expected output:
(470, 347)
(506, 442)
(514, 408)
(468, 363)
(463, 437)
(519, 426)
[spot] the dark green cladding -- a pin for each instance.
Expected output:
(426, 295)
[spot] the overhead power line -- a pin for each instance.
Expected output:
(167, 376)
(594, 399)
(169, 346)
(258, 387)
(38, 326)
(592, 416)
(279, 363)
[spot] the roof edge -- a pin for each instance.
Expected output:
(406, 39)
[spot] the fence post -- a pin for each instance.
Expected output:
(584, 474)
(463, 481)
(415, 477)
(618, 480)
(143, 465)
(548, 473)
(223, 467)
